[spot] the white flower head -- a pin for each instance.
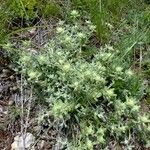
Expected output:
(110, 92)
(67, 39)
(145, 118)
(97, 78)
(25, 59)
(110, 26)
(81, 35)
(42, 58)
(60, 30)
(129, 72)
(66, 67)
(119, 69)
(61, 22)
(61, 61)
(88, 22)
(92, 27)
(74, 13)
(87, 73)
(76, 84)
(33, 74)
(131, 102)
(109, 47)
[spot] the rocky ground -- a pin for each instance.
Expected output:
(10, 101)
(8, 90)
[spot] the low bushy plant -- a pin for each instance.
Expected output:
(100, 97)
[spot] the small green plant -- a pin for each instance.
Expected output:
(100, 96)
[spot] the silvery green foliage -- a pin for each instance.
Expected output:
(99, 95)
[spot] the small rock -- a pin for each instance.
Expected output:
(6, 71)
(23, 141)
(15, 88)
(3, 75)
(12, 77)
(45, 145)
(11, 102)
(5, 112)
(32, 31)
(1, 109)
(11, 89)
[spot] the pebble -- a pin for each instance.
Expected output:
(12, 77)
(23, 142)
(3, 75)
(5, 71)
(11, 89)
(11, 102)
(15, 88)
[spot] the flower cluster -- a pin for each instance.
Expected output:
(100, 94)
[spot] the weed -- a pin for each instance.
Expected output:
(100, 96)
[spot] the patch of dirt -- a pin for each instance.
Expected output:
(39, 35)
(8, 89)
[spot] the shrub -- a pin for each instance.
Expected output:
(100, 96)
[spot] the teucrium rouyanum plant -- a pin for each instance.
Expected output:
(98, 95)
